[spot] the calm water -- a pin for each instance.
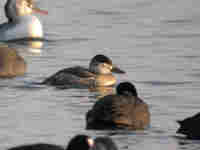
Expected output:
(156, 41)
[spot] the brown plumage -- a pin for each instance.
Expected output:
(11, 64)
(122, 110)
(99, 73)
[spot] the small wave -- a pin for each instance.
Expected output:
(164, 83)
(189, 57)
(28, 40)
(103, 12)
(177, 21)
(196, 75)
(29, 86)
(180, 35)
(74, 40)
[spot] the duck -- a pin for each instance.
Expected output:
(80, 141)
(123, 110)
(21, 22)
(99, 74)
(11, 63)
(190, 127)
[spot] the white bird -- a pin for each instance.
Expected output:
(21, 21)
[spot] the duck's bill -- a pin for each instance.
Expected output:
(115, 69)
(38, 10)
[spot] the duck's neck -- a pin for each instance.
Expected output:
(105, 80)
(31, 24)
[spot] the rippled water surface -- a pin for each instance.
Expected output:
(156, 41)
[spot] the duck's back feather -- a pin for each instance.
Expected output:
(116, 111)
(69, 76)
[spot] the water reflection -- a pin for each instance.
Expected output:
(31, 45)
(102, 91)
(11, 63)
(186, 143)
(97, 91)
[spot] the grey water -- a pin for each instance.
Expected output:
(157, 42)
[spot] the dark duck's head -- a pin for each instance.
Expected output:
(126, 88)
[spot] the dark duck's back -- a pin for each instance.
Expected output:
(119, 111)
(78, 75)
(38, 146)
(82, 142)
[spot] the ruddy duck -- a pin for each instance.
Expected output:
(124, 110)
(190, 127)
(21, 23)
(11, 64)
(99, 74)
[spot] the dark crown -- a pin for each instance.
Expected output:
(126, 88)
(102, 58)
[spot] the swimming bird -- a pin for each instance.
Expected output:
(123, 110)
(99, 73)
(78, 142)
(11, 63)
(21, 21)
(190, 127)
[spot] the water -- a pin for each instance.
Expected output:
(155, 41)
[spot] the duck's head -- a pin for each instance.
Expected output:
(101, 64)
(80, 142)
(126, 88)
(16, 8)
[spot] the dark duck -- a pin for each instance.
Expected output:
(78, 142)
(190, 127)
(123, 110)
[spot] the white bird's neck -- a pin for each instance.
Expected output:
(31, 24)
(22, 27)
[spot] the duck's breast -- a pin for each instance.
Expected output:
(105, 80)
